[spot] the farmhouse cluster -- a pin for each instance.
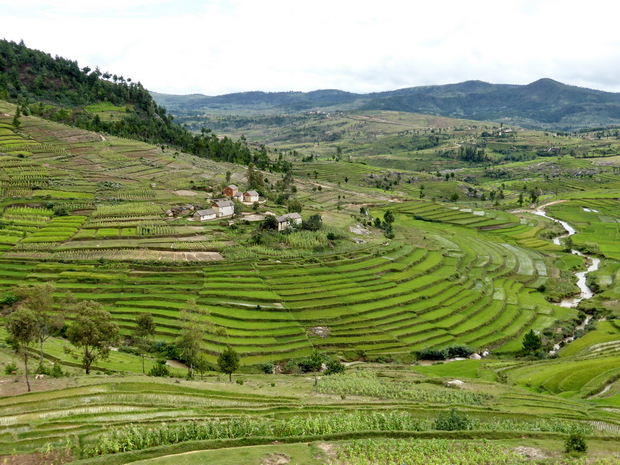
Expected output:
(226, 208)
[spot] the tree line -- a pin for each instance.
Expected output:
(35, 315)
(57, 88)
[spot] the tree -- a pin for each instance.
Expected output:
(255, 178)
(315, 363)
(313, 223)
(388, 217)
(294, 206)
(190, 340)
(22, 328)
(202, 365)
(532, 343)
(40, 300)
(268, 223)
(228, 362)
(93, 331)
(16, 124)
(143, 333)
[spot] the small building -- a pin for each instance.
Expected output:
(250, 196)
(287, 219)
(223, 208)
(204, 215)
(230, 191)
(238, 197)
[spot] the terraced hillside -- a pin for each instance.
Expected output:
(88, 212)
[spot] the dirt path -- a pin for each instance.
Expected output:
(539, 208)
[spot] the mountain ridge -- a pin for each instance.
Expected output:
(542, 104)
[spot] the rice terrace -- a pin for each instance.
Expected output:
(327, 287)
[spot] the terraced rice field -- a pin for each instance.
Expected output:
(392, 299)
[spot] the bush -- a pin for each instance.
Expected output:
(10, 368)
(459, 351)
(8, 299)
(334, 366)
(576, 442)
(267, 367)
(453, 421)
(239, 381)
(160, 369)
(432, 354)
(291, 367)
(56, 371)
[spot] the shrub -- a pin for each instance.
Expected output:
(291, 367)
(239, 381)
(432, 354)
(453, 420)
(576, 442)
(10, 368)
(56, 371)
(459, 351)
(160, 369)
(334, 366)
(8, 299)
(267, 367)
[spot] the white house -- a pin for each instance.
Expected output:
(223, 208)
(204, 215)
(250, 196)
(287, 219)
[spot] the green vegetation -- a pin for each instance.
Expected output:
(418, 298)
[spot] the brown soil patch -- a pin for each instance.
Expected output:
(185, 193)
(330, 451)
(10, 387)
(276, 459)
(53, 458)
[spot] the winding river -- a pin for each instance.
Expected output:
(586, 292)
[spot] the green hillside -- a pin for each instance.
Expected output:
(420, 264)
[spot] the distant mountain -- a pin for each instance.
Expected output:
(543, 104)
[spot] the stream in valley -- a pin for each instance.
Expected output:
(585, 291)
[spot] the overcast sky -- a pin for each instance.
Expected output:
(215, 47)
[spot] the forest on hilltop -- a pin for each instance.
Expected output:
(56, 88)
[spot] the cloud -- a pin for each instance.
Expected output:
(219, 46)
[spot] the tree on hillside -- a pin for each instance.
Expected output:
(16, 124)
(93, 331)
(388, 217)
(191, 336)
(313, 223)
(228, 362)
(22, 328)
(254, 178)
(532, 343)
(294, 206)
(40, 300)
(269, 223)
(315, 363)
(143, 334)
